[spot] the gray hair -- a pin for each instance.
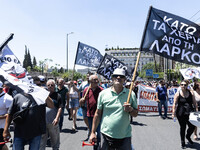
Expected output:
(92, 76)
(51, 80)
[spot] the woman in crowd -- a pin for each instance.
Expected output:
(197, 98)
(73, 102)
(184, 103)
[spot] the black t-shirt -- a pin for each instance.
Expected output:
(34, 124)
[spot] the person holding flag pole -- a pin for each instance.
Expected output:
(114, 113)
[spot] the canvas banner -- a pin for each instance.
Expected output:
(147, 98)
(172, 37)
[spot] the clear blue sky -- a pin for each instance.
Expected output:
(42, 25)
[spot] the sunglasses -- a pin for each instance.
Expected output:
(50, 85)
(183, 84)
(120, 76)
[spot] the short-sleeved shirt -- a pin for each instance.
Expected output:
(115, 121)
(34, 124)
(52, 112)
(91, 100)
(5, 102)
(63, 93)
(162, 92)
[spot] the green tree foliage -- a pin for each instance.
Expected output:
(69, 74)
(25, 64)
(29, 62)
(34, 62)
(27, 59)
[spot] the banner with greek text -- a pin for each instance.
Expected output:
(172, 37)
(12, 71)
(147, 100)
(88, 56)
(109, 64)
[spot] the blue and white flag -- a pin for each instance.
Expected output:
(88, 56)
(12, 71)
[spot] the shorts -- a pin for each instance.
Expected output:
(1, 138)
(84, 112)
(74, 103)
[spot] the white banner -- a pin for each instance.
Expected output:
(12, 71)
(190, 73)
(147, 98)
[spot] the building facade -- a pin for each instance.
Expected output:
(129, 56)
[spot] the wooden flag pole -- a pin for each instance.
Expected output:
(87, 91)
(133, 78)
(138, 57)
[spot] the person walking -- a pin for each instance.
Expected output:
(184, 103)
(162, 98)
(197, 98)
(5, 102)
(73, 102)
(114, 113)
(63, 91)
(52, 119)
(91, 101)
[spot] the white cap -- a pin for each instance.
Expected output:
(41, 77)
(119, 71)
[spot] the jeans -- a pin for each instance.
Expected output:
(34, 143)
(90, 120)
(54, 134)
(164, 103)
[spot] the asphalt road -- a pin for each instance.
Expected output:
(149, 133)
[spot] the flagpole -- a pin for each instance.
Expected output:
(75, 61)
(6, 41)
(138, 57)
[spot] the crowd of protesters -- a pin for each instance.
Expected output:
(94, 98)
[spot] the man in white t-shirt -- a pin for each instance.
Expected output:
(5, 102)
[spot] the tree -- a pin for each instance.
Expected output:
(34, 62)
(29, 62)
(25, 64)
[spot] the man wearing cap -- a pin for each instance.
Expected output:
(114, 113)
(5, 102)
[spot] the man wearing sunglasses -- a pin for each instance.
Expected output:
(52, 118)
(114, 113)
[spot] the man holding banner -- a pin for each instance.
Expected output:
(114, 113)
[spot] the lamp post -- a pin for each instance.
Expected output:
(67, 51)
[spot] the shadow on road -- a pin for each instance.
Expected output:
(138, 124)
(193, 146)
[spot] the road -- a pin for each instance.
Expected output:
(149, 133)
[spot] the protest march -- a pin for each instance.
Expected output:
(109, 97)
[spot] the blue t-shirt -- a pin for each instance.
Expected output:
(162, 92)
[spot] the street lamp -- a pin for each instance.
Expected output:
(67, 51)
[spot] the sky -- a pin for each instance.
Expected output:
(43, 25)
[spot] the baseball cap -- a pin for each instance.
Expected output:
(42, 78)
(119, 71)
